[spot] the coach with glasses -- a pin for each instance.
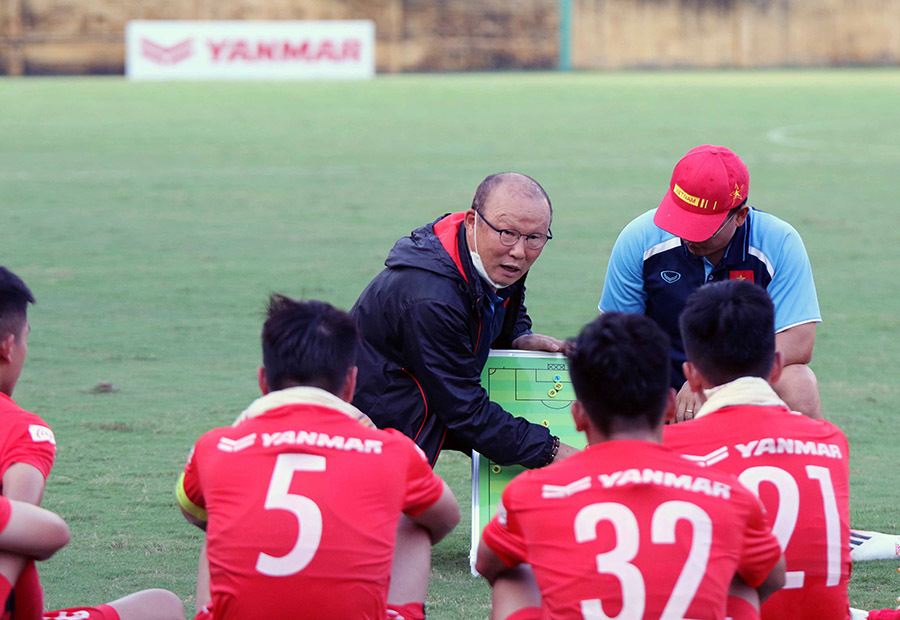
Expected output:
(450, 292)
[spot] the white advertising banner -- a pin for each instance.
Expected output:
(247, 50)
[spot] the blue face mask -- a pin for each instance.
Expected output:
(476, 260)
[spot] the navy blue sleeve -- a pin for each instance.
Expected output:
(438, 351)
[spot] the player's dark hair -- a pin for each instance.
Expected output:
(619, 366)
(728, 329)
(524, 183)
(308, 343)
(14, 299)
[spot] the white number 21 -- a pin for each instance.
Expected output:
(789, 510)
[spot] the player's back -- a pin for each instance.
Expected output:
(303, 504)
(631, 528)
(799, 469)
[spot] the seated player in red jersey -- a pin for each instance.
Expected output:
(28, 531)
(32, 532)
(798, 466)
(301, 498)
(628, 528)
(27, 451)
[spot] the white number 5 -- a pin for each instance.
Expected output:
(309, 517)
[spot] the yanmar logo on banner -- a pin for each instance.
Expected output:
(163, 55)
(185, 50)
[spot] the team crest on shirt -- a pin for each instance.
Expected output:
(236, 445)
(670, 276)
(41, 433)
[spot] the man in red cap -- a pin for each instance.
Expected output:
(704, 231)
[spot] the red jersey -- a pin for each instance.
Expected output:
(632, 528)
(799, 469)
(303, 503)
(102, 612)
(25, 438)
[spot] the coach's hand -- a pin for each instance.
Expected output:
(686, 403)
(538, 342)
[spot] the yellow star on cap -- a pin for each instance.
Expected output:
(736, 194)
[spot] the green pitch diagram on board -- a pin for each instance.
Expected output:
(528, 384)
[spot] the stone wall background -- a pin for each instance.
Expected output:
(87, 36)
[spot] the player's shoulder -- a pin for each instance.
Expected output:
(707, 483)
(769, 230)
(670, 472)
(11, 410)
(706, 429)
(812, 428)
(12, 417)
(527, 486)
(213, 435)
(642, 231)
(398, 442)
(560, 473)
(641, 236)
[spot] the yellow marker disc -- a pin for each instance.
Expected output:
(546, 423)
(558, 386)
(495, 469)
(551, 393)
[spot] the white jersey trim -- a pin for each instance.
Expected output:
(302, 395)
(761, 256)
(662, 247)
(778, 331)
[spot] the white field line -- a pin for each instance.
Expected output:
(827, 149)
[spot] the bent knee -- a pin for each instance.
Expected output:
(799, 389)
(801, 374)
(155, 603)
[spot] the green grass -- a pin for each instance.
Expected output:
(152, 220)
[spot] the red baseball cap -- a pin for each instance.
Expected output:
(707, 183)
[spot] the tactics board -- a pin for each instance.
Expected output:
(533, 385)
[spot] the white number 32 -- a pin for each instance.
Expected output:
(618, 561)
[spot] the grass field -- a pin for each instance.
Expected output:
(152, 220)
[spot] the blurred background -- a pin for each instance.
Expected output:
(87, 36)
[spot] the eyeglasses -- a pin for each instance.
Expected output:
(534, 241)
(724, 224)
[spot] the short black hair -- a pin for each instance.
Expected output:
(619, 366)
(307, 342)
(524, 183)
(14, 299)
(728, 329)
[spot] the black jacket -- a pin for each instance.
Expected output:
(420, 321)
